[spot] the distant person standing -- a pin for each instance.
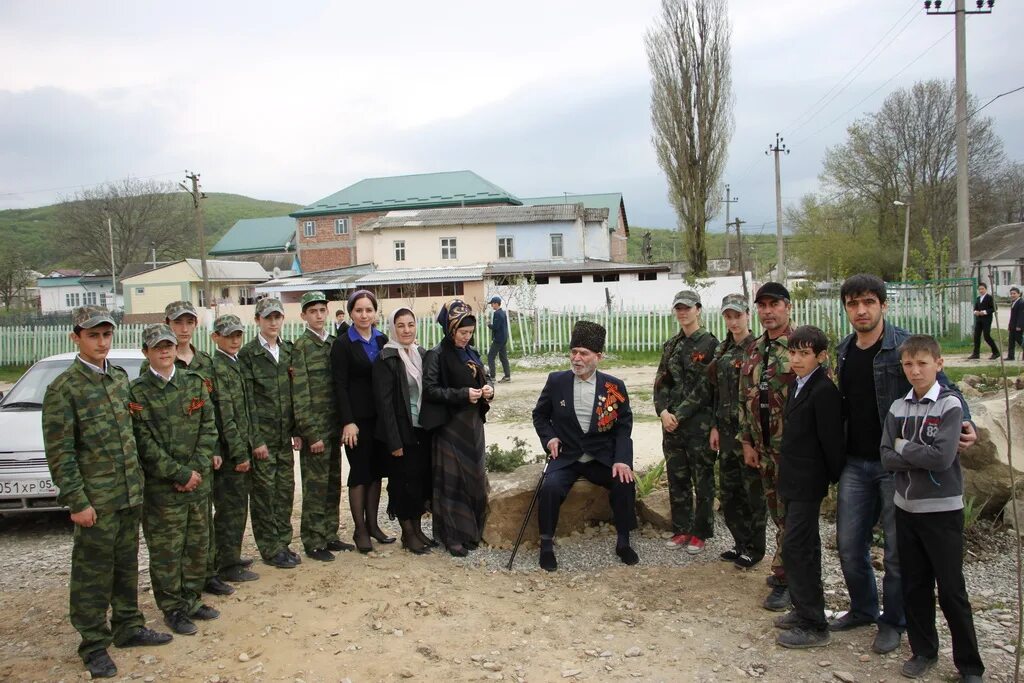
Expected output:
(984, 307)
(340, 324)
(1015, 328)
(499, 339)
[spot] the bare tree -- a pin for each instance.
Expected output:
(142, 214)
(688, 50)
(14, 272)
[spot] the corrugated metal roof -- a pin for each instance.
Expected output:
(254, 235)
(612, 201)
(335, 278)
(451, 188)
(403, 276)
(484, 215)
(999, 243)
(587, 266)
(223, 271)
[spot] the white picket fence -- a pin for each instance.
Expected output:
(936, 311)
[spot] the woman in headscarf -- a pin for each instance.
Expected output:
(456, 396)
(352, 358)
(398, 393)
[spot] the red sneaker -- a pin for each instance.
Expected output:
(695, 546)
(678, 541)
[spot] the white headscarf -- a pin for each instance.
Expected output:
(409, 353)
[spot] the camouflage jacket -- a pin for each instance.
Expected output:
(681, 385)
(313, 388)
(88, 438)
(271, 385)
(724, 376)
(202, 363)
(176, 431)
(779, 378)
(235, 411)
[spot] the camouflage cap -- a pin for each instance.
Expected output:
(686, 297)
(312, 298)
(265, 307)
(91, 316)
(228, 324)
(176, 309)
(735, 302)
(154, 334)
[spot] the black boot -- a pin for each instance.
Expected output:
(100, 665)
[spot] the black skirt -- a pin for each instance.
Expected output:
(409, 482)
(368, 460)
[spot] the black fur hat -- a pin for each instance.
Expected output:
(589, 335)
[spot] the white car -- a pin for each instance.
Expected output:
(25, 484)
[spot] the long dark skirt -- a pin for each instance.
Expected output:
(409, 482)
(460, 481)
(368, 461)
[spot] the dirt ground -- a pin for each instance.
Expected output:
(392, 616)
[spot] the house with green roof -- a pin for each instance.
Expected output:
(257, 236)
(326, 229)
(612, 201)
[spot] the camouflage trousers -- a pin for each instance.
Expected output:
(105, 575)
(690, 466)
(741, 494)
(321, 494)
(178, 536)
(230, 510)
(776, 506)
(271, 500)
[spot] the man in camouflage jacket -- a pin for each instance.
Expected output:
(267, 368)
(742, 497)
(764, 387)
(91, 452)
(317, 424)
(682, 399)
(176, 434)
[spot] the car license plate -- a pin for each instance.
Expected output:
(28, 487)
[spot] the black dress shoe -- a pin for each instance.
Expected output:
(422, 550)
(745, 561)
(730, 555)
(340, 546)
(627, 555)
(147, 636)
(100, 665)
(364, 549)
(994, 356)
(917, 666)
(245, 562)
(973, 356)
(457, 551)
(282, 561)
(294, 555)
(547, 561)
(179, 622)
(320, 554)
(849, 621)
(238, 575)
(379, 536)
(206, 613)
(217, 587)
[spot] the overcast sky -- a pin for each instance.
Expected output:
(295, 100)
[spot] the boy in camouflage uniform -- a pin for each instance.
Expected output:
(320, 458)
(267, 367)
(682, 399)
(741, 494)
(90, 449)
(764, 386)
(238, 441)
(176, 433)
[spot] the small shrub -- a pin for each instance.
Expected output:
(972, 512)
(649, 479)
(498, 459)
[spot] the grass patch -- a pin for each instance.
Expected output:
(958, 373)
(498, 459)
(12, 373)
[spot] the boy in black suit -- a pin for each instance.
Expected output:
(812, 456)
(584, 420)
(1015, 327)
(984, 307)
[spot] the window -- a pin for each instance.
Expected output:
(340, 226)
(202, 298)
(246, 296)
(140, 290)
(541, 279)
(72, 300)
(643, 277)
(309, 229)
(571, 279)
(505, 247)
(399, 250)
(556, 245)
(448, 249)
(90, 298)
(1006, 277)
(606, 277)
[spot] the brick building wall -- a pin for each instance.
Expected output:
(619, 238)
(326, 249)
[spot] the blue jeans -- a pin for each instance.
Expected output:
(865, 496)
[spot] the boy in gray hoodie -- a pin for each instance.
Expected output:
(919, 443)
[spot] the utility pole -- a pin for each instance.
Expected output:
(739, 253)
(963, 216)
(727, 202)
(780, 267)
(198, 213)
(113, 268)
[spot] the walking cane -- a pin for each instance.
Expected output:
(529, 511)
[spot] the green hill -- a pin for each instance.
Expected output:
(35, 228)
(667, 247)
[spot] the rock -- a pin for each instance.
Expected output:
(406, 673)
(865, 658)
(569, 673)
(244, 657)
(970, 381)
(986, 477)
(654, 509)
(492, 666)
(634, 652)
(844, 676)
(511, 494)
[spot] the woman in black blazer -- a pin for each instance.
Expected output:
(398, 393)
(352, 358)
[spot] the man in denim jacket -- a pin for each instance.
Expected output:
(870, 378)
